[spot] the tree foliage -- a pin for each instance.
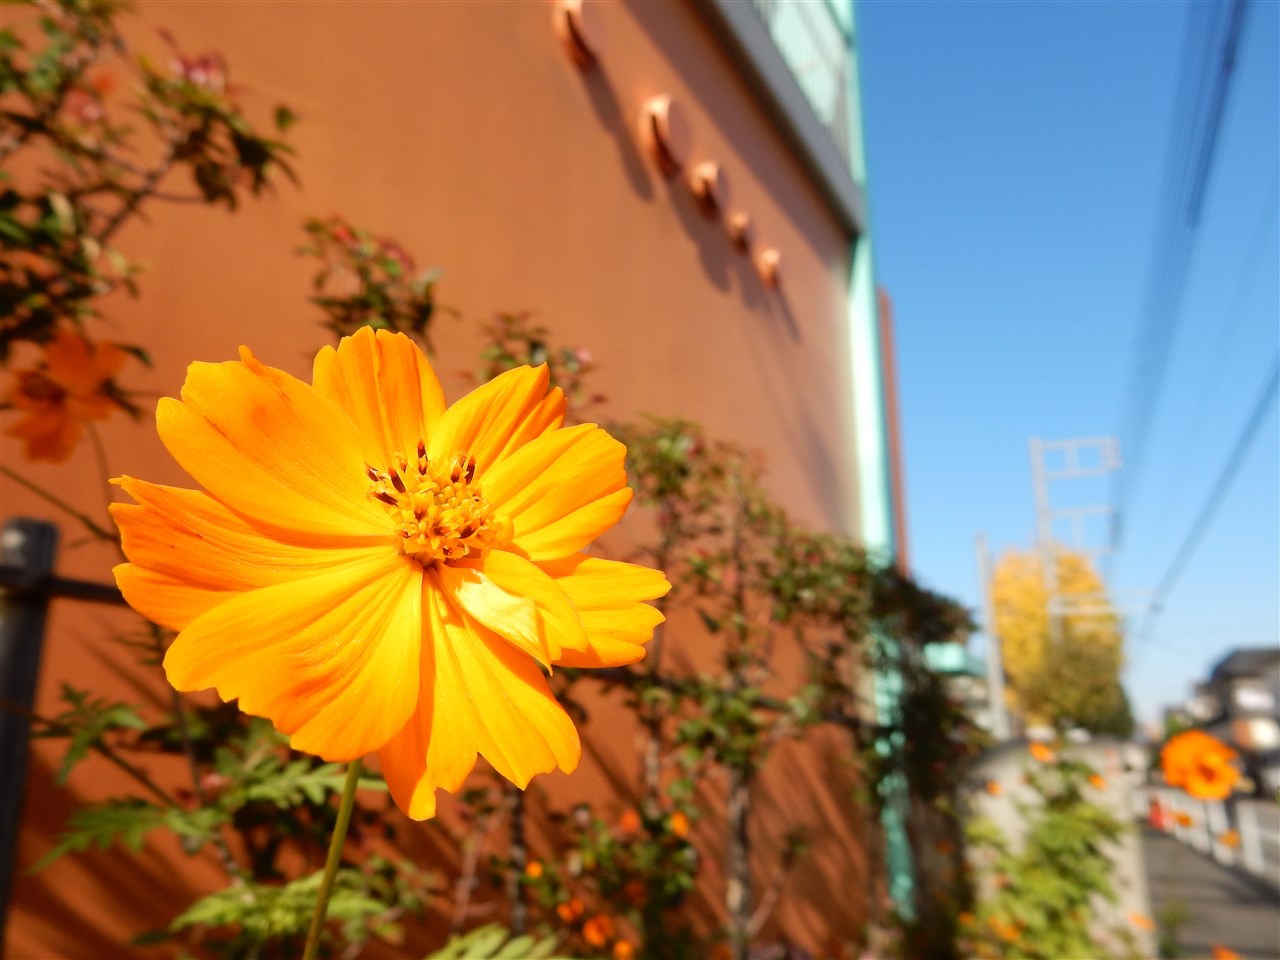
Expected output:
(1071, 677)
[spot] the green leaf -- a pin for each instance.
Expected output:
(494, 942)
(123, 821)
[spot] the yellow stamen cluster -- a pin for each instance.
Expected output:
(439, 515)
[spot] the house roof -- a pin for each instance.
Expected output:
(1246, 663)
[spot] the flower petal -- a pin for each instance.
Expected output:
(331, 660)
(498, 417)
(516, 723)
(609, 596)
(69, 362)
(435, 749)
(49, 434)
(271, 448)
(478, 695)
(512, 617)
(186, 542)
(561, 490)
(557, 615)
(386, 386)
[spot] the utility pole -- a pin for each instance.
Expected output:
(1077, 459)
(995, 655)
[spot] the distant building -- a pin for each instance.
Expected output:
(1240, 704)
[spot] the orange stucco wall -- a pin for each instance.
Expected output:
(463, 130)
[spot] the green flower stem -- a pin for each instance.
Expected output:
(335, 857)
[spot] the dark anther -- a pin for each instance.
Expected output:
(397, 482)
(456, 473)
(386, 498)
(422, 449)
(371, 473)
(466, 531)
(471, 469)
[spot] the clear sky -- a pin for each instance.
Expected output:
(1016, 156)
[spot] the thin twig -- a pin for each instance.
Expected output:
(61, 504)
(54, 728)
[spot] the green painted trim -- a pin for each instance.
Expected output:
(875, 490)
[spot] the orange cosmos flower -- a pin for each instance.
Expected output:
(629, 822)
(598, 930)
(1142, 921)
(374, 572)
(1041, 752)
(70, 386)
(1200, 764)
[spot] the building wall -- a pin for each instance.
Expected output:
(464, 131)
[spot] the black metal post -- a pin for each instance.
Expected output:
(27, 546)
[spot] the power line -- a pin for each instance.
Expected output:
(1195, 134)
(1269, 217)
(1191, 541)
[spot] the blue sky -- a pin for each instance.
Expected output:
(1016, 156)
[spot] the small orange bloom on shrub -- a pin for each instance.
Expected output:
(598, 930)
(629, 822)
(533, 869)
(70, 387)
(1097, 782)
(375, 572)
(570, 911)
(1142, 921)
(1225, 953)
(1230, 839)
(1041, 752)
(1183, 819)
(624, 950)
(993, 788)
(679, 824)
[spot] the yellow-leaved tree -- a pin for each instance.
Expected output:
(1070, 678)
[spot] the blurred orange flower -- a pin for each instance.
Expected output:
(570, 911)
(624, 950)
(1183, 819)
(629, 822)
(1142, 921)
(1041, 752)
(679, 824)
(533, 869)
(1230, 838)
(71, 385)
(374, 572)
(993, 788)
(1200, 764)
(1097, 782)
(1225, 953)
(598, 930)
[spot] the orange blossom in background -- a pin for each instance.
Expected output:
(1201, 764)
(374, 572)
(70, 385)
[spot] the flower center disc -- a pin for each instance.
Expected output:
(439, 514)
